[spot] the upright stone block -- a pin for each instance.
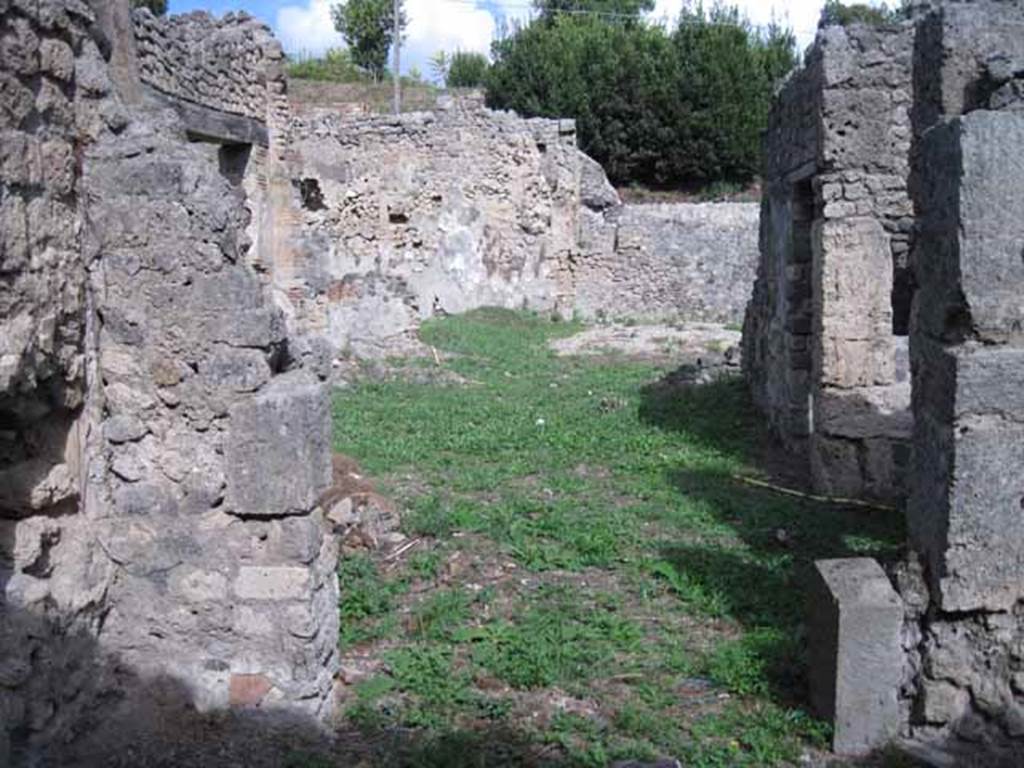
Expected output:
(856, 658)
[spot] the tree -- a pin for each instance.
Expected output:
(156, 7)
(368, 28)
(439, 64)
(609, 8)
(654, 106)
(727, 74)
(838, 13)
(467, 70)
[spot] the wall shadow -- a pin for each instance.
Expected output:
(118, 718)
(762, 581)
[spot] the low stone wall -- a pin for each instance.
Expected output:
(683, 261)
(394, 219)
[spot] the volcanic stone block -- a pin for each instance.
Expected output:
(969, 263)
(855, 622)
(852, 285)
(278, 451)
(273, 583)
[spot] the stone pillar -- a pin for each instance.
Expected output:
(114, 18)
(856, 660)
(966, 516)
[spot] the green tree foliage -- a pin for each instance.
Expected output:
(727, 73)
(439, 64)
(368, 28)
(653, 106)
(467, 70)
(609, 8)
(335, 65)
(838, 13)
(157, 7)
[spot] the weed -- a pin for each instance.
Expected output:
(689, 576)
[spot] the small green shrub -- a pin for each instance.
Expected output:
(837, 13)
(467, 70)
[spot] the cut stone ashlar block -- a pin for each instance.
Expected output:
(278, 453)
(969, 260)
(273, 583)
(856, 659)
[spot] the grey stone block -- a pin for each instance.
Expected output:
(278, 451)
(856, 658)
(968, 261)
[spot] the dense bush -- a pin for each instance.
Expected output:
(158, 7)
(653, 106)
(838, 13)
(466, 70)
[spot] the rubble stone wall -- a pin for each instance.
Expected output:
(231, 64)
(679, 261)
(821, 350)
(391, 220)
(151, 401)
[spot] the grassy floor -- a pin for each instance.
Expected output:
(592, 583)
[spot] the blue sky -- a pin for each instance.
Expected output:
(305, 25)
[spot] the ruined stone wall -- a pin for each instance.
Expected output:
(964, 514)
(681, 261)
(449, 210)
(232, 64)
(56, 99)
(391, 220)
(821, 346)
(958, 624)
(163, 442)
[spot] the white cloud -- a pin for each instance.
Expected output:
(307, 29)
(447, 25)
(433, 25)
(800, 15)
(469, 25)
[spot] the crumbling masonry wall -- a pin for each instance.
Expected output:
(957, 698)
(393, 219)
(823, 350)
(163, 441)
(965, 512)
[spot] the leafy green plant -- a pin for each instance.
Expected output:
(622, 563)
(156, 7)
(368, 27)
(467, 69)
(554, 641)
(836, 12)
(661, 107)
(335, 65)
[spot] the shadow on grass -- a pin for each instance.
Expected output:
(761, 583)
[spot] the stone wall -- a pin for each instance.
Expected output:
(391, 220)
(964, 514)
(402, 217)
(232, 64)
(957, 698)
(150, 404)
(823, 347)
(681, 261)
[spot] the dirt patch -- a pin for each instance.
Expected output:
(700, 344)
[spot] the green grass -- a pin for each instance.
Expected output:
(618, 561)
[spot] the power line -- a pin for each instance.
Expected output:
(534, 12)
